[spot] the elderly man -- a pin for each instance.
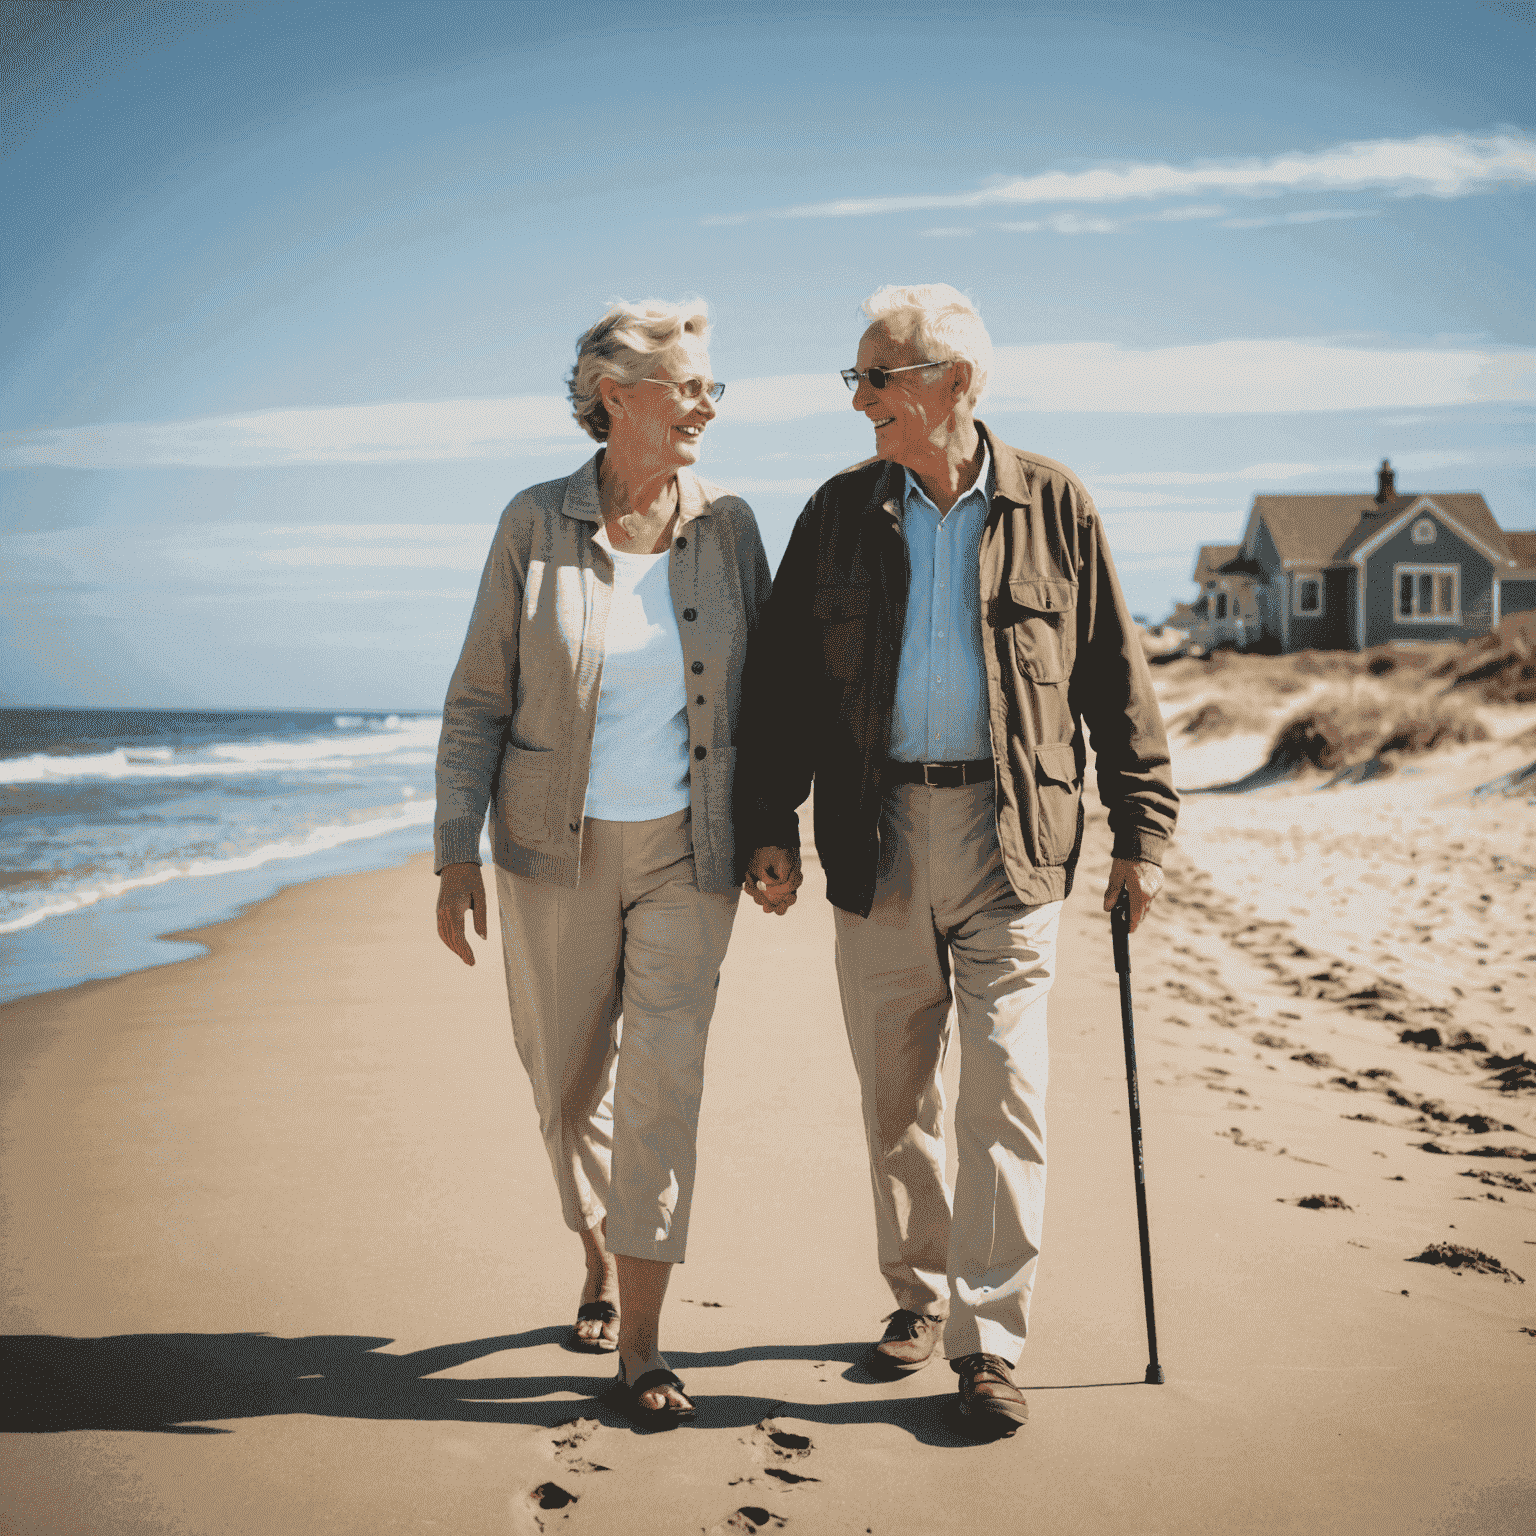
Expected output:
(945, 621)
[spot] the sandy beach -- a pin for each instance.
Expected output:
(283, 1255)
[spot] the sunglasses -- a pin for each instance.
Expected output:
(880, 377)
(690, 389)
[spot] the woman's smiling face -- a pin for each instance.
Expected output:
(657, 426)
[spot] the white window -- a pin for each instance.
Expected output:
(1423, 531)
(1428, 594)
(1307, 598)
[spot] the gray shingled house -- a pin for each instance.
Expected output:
(1226, 611)
(1347, 572)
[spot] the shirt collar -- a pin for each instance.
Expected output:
(982, 483)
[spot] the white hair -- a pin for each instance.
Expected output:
(948, 328)
(627, 345)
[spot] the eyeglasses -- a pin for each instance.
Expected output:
(880, 377)
(690, 389)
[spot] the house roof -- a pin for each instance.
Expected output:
(1212, 557)
(1241, 566)
(1522, 549)
(1465, 508)
(1325, 530)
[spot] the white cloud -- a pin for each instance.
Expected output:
(363, 533)
(1248, 375)
(400, 431)
(1434, 165)
(1302, 216)
(1063, 224)
(776, 487)
(1359, 473)
(1179, 215)
(1136, 536)
(1262, 374)
(419, 546)
(1126, 500)
(332, 595)
(439, 557)
(949, 232)
(786, 397)
(1218, 476)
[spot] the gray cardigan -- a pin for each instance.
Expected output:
(522, 705)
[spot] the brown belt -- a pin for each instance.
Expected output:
(939, 775)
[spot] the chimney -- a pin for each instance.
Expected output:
(1385, 489)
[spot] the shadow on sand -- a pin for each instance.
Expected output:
(174, 1383)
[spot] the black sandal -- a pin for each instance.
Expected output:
(628, 1395)
(595, 1312)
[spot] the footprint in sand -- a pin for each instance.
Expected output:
(778, 1448)
(552, 1505)
(747, 1519)
(570, 1439)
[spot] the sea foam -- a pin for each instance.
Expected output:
(407, 742)
(392, 819)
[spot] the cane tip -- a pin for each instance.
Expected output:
(1154, 1375)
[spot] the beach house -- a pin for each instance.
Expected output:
(1343, 572)
(1226, 611)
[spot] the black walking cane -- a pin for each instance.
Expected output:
(1120, 927)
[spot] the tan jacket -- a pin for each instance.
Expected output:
(522, 704)
(1060, 652)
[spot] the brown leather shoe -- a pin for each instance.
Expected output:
(907, 1344)
(990, 1404)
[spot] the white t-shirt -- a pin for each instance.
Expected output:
(640, 746)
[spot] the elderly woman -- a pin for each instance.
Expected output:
(593, 710)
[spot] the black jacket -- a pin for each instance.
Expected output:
(1060, 652)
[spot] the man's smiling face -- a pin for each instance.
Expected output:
(909, 413)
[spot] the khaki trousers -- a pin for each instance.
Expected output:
(944, 912)
(618, 1101)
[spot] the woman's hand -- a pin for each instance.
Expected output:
(773, 877)
(460, 890)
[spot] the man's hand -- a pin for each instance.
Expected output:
(460, 890)
(1142, 880)
(773, 877)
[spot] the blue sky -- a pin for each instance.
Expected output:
(292, 288)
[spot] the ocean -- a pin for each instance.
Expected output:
(120, 826)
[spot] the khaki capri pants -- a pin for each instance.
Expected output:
(611, 986)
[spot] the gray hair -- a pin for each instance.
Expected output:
(948, 326)
(626, 345)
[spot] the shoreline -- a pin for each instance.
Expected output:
(147, 932)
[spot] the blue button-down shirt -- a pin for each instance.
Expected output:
(941, 686)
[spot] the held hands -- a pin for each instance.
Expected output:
(460, 890)
(773, 877)
(1142, 881)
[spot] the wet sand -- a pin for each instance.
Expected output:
(282, 1253)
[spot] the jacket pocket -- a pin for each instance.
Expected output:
(1057, 793)
(1045, 633)
(524, 789)
(842, 615)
